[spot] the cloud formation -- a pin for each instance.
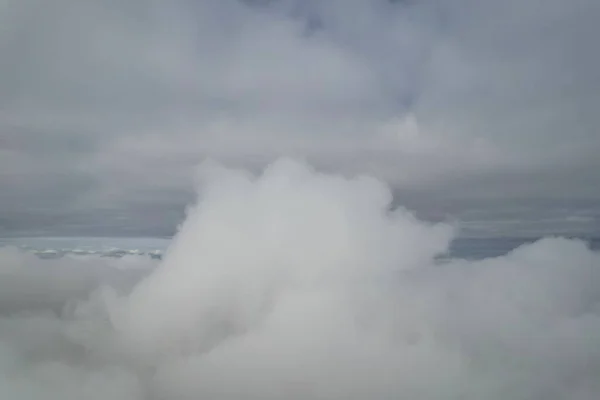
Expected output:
(107, 106)
(301, 285)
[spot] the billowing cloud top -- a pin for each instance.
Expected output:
(105, 107)
(301, 285)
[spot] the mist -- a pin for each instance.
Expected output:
(295, 284)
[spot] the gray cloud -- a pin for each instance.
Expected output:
(106, 107)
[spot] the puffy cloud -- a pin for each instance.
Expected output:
(297, 284)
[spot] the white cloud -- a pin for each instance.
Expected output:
(296, 284)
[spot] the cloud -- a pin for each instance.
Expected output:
(298, 284)
(113, 104)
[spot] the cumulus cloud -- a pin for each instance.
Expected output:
(105, 106)
(303, 285)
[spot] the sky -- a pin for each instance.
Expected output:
(482, 111)
(317, 159)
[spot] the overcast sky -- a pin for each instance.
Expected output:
(484, 110)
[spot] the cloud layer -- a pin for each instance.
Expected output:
(105, 107)
(301, 285)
